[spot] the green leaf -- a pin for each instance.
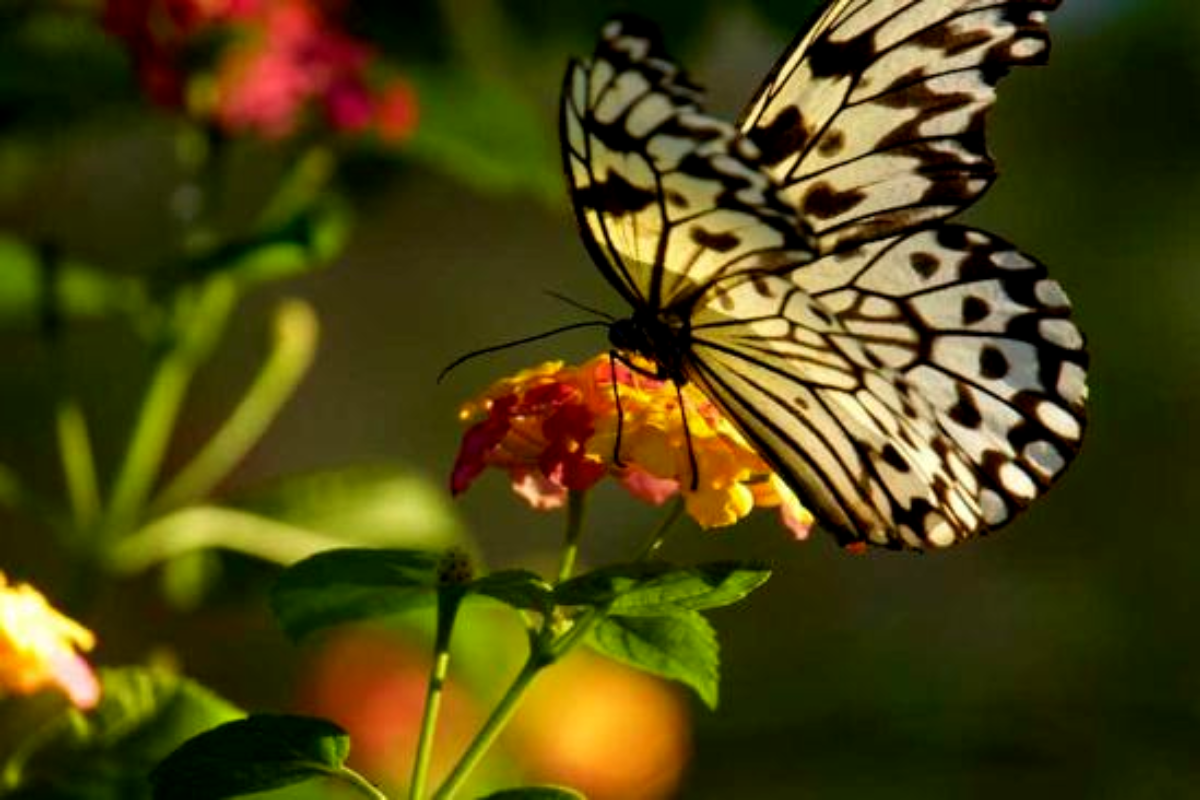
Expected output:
(105, 754)
(536, 793)
(681, 646)
(653, 588)
(518, 588)
(255, 754)
(353, 584)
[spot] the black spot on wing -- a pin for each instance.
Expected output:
(615, 196)
(924, 264)
(824, 202)
(993, 364)
(721, 242)
(966, 412)
(893, 458)
(785, 136)
(975, 309)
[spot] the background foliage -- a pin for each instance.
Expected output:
(1059, 658)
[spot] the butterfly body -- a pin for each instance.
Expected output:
(662, 341)
(916, 382)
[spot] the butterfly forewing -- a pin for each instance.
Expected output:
(668, 199)
(874, 123)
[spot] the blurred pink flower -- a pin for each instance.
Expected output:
(277, 62)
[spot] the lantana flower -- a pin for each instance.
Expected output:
(554, 429)
(272, 63)
(40, 648)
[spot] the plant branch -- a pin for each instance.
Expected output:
(449, 599)
(200, 327)
(78, 464)
(293, 346)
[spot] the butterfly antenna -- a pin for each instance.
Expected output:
(575, 304)
(516, 343)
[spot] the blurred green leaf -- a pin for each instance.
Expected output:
(351, 584)
(681, 646)
(300, 516)
(106, 753)
(536, 793)
(364, 505)
(29, 289)
(255, 754)
(518, 588)
(653, 588)
(484, 134)
(309, 239)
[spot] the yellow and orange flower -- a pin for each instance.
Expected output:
(39, 648)
(554, 429)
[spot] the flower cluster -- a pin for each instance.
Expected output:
(269, 62)
(39, 648)
(554, 429)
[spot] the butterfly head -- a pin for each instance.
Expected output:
(655, 339)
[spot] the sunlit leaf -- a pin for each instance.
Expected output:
(536, 793)
(255, 754)
(681, 646)
(518, 588)
(652, 588)
(352, 584)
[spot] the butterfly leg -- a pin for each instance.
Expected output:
(613, 358)
(687, 437)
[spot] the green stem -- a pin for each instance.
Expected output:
(200, 327)
(78, 464)
(576, 506)
(295, 337)
(652, 545)
(449, 599)
(495, 723)
(359, 782)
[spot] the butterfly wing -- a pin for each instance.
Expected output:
(873, 121)
(667, 198)
(916, 391)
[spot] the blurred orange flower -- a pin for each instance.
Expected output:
(607, 730)
(372, 682)
(39, 648)
(554, 429)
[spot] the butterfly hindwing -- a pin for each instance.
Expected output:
(873, 123)
(668, 198)
(959, 350)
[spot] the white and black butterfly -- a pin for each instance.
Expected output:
(915, 382)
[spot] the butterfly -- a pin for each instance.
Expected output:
(915, 381)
